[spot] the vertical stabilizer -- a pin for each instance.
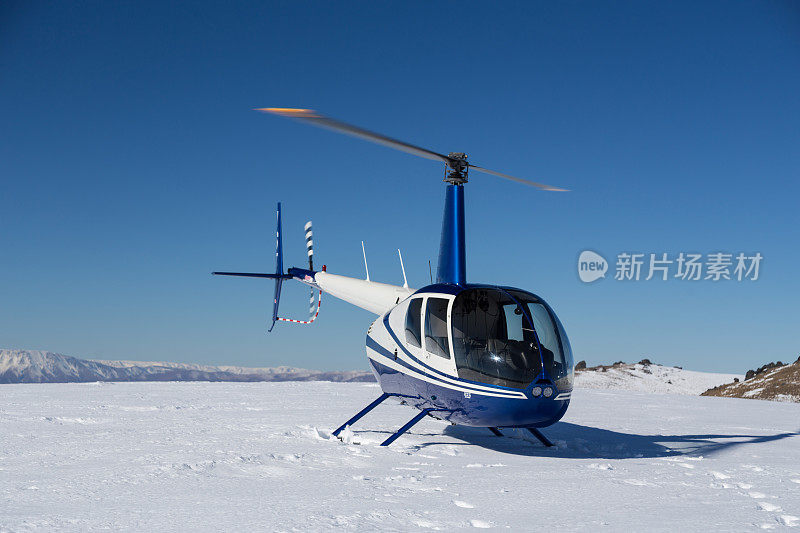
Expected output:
(278, 270)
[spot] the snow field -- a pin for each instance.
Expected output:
(259, 456)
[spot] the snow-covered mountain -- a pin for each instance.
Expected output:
(649, 377)
(33, 366)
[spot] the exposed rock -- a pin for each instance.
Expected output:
(645, 362)
(769, 366)
(773, 381)
(581, 365)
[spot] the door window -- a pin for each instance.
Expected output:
(436, 340)
(413, 316)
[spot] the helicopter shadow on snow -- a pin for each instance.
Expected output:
(575, 441)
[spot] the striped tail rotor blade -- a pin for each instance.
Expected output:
(313, 308)
(310, 245)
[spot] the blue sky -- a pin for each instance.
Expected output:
(132, 165)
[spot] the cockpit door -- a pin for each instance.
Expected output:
(436, 339)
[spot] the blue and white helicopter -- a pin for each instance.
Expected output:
(472, 354)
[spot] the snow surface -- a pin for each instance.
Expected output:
(651, 378)
(205, 456)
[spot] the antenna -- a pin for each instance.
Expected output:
(365, 259)
(405, 281)
(430, 271)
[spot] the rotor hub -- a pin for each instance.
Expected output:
(456, 168)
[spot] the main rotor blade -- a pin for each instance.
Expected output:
(312, 117)
(519, 180)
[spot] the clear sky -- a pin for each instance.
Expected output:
(132, 165)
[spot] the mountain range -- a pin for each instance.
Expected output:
(34, 366)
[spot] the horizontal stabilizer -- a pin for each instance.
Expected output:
(253, 275)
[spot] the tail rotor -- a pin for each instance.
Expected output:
(310, 245)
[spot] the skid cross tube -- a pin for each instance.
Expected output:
(538, 434)
(496, 432)
(361, 413)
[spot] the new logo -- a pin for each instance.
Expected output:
(591, 266)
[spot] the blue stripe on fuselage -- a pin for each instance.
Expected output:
(373, 344)
(466, 382)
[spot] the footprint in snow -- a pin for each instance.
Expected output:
(720, 475)
(757, 495)
(598, 466)
(771, 507)
(464, 505)
(449, 450)
(638, 482)
(790, 521)
(480, 524)
(744, 486)
(796, 481)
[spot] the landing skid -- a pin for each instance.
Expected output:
(535, 432)
(538, 434)
(422, 414)
(361, 413)
(393, 437)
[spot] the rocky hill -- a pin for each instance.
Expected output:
(773, 381)
(645, 376)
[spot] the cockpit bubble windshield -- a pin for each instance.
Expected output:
(495, 343)
(556, 350)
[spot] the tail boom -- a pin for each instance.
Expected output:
(372, 296)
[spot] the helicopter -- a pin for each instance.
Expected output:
(471, 354)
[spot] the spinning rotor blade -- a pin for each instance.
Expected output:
(458, 164)
(312, 117)
(542, 186)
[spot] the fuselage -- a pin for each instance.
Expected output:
(479, 355)
(470, 354)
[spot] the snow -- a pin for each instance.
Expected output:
(652, 378)
(206, 456)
